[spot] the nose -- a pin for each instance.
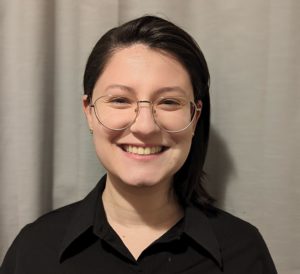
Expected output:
(144, 123)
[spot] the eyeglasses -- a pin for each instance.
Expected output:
(118, 112)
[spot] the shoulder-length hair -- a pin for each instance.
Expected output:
(160, 34)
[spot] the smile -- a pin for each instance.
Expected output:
(143, 150)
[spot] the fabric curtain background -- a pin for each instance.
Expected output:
(47, 158)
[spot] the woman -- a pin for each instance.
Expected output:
(146, 102)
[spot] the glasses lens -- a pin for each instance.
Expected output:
(115, 112)
(174, 114)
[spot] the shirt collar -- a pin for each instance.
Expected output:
(83, 217)
(197, 226)
(86, 216)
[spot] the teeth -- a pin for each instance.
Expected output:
(143, 150)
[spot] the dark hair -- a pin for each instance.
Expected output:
(161, 34)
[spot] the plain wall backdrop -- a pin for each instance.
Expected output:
(253, 52)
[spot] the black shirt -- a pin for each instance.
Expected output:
(78, 239)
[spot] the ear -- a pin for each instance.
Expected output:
(199, 106)
(87, 111)
(198, 113)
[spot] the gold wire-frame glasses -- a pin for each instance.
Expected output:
(120, 112)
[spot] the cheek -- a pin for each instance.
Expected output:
(103, 140)
(184, 142)
(186, 149)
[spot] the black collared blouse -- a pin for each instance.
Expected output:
(78, 239)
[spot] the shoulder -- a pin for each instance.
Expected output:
(228, 221)
(38, 243)
(241, 240)
(52, 223)
(228, 227)
(239, 236)
(43, 236)
(228, 230)
(41, 242)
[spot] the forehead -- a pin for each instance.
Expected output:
(140, 53)
(142, 68)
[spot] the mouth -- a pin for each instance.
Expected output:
(143, 150)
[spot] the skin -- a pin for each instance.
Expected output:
(138, 197)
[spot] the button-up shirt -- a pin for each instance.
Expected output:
(78, 239)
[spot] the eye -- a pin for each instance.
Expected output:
(170, 103)
(118, 101)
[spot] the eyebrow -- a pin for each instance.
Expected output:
(123, 87)
(160, 90)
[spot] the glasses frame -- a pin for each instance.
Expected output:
(137, 110)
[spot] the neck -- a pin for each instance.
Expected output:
(155, 206)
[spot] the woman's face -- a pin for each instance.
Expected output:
(144, 74)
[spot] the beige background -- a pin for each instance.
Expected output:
(253, 51)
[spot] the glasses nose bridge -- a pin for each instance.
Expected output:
(143, 104)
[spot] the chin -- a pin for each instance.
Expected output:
(142, 181)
